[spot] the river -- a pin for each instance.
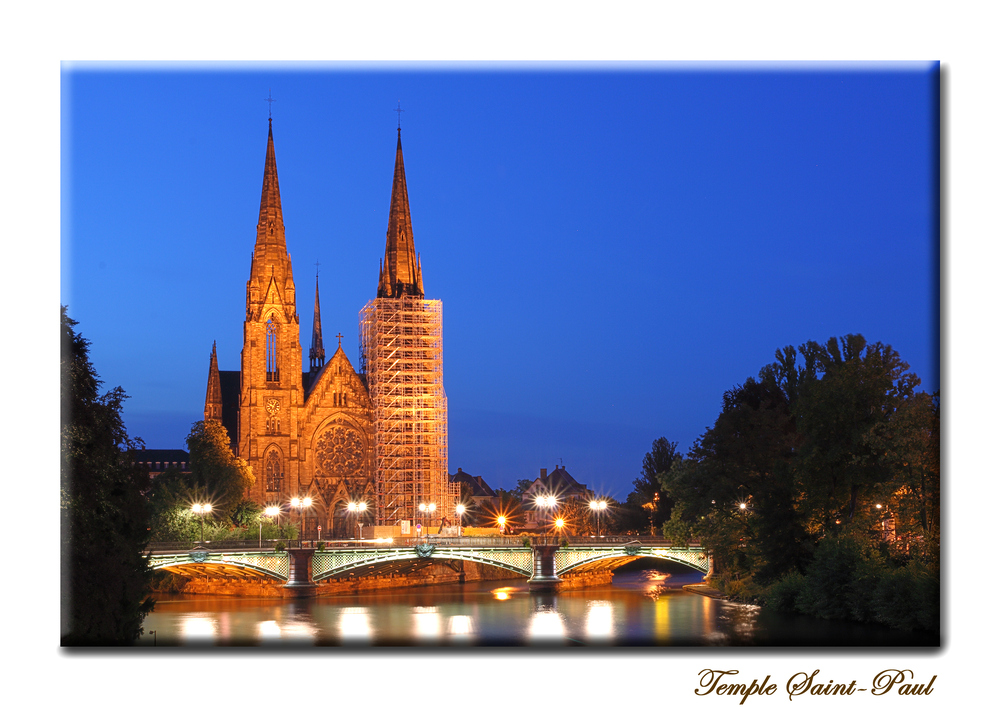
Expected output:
(640, 608)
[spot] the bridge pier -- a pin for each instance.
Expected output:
(543, 576)
(300, 582)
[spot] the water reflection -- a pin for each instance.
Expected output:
(600, 623)
(426, 623)
(546, 627)
(461, 629)
(198, 629)
(644, 608)
(355, 626)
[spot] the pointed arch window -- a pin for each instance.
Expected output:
(272, 350)
(275, 474)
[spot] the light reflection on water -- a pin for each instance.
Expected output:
(640, 608)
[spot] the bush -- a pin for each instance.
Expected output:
(783, 594)
(320, 546)
(909, 598)
(279, 546)
(840, 580)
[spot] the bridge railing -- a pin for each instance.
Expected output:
(485, 541)
(215, 546)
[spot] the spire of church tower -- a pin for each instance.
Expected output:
(271, 267)
(317, 356)
(213, 396)
(401, 276)
(270, 199)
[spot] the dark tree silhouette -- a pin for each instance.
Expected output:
(103, 515)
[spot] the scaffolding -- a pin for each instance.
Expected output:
(401, 358)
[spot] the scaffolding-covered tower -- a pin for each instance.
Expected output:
(401, 359)
(401, 356)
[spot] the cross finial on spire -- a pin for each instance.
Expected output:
(339, 337)
(269, 102)
(398, 116)
(317, 270)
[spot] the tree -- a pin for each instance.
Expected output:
(649, 493)
(224, 476)
(828, 441)
(842, 412)
(103, 515)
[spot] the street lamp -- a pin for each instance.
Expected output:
(270, 512)
(460, 509)
(548, 501)
(355, 508)
(598, 507)
(201, 509)
(427, 508)
(502, 522)
(560, 523)
(300, 504)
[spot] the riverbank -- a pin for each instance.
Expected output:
(704, 590)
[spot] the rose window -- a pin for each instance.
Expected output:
(340, 452)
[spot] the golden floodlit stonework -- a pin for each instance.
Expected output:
(316, 432)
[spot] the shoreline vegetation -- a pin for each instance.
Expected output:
(818, 488)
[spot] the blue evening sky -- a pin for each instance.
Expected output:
(615, 246)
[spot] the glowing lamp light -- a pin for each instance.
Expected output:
(460, 509)
(560, 523)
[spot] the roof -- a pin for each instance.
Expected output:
(161, 455)
(558, 483)
(229, 381)
(476, 483)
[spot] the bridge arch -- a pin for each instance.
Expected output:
(570, 559)
(237, 564)
(330, 565)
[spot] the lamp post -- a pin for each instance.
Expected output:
(300, 504)
(548, 501)
(598, 506)
(459, 510)
(502, 522)
(201, 509)
(355, 508)
(428, 509)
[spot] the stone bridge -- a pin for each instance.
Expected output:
(545, 561)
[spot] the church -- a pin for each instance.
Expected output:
(326, 431)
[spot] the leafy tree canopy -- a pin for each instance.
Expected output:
(104, 516)
(223, 475)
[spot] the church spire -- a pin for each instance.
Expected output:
(271, 267)
(317, 356)
(213, 396)
(401, 275)
(270, 223)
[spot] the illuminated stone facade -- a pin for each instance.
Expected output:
(316, 432)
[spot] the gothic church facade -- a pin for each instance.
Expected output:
(317, 431)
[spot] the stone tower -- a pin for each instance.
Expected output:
(271, 362)
(401, 358)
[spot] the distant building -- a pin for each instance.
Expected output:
(559, 484)
(480, 490)
(157, 461)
